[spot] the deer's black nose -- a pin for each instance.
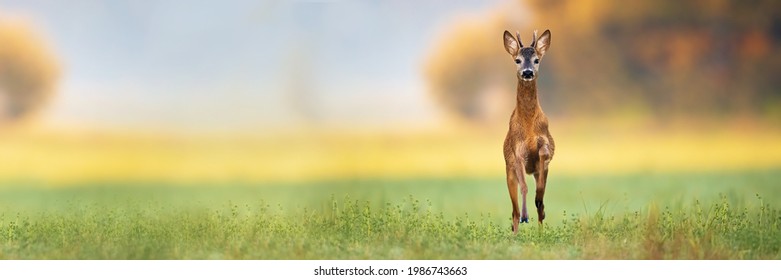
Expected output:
(527, 74)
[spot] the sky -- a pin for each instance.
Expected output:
(236, 64)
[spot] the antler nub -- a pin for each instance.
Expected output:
(534, 39)
(518, 36)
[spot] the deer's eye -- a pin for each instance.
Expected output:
(536, 61)
(517, 61)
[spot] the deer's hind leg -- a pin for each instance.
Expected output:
(541, 175)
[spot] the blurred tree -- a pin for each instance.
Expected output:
(468, 75)
(670, 58)
(28, 72)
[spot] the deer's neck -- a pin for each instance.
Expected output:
(527, 106)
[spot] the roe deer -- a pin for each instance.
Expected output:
(528, 146)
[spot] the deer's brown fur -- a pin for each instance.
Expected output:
(529, 146)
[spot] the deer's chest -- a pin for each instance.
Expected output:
(527, 148)
(524, 147)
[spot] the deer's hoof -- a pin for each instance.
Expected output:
(525, 220)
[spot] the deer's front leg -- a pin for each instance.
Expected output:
(542, 176)
(519, 174)
(512, 187)
(524, 191)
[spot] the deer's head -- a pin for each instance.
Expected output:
(527, 59)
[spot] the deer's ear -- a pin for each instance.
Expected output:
(511, 45)
(543, 43)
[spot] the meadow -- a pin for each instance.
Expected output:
(635, 216)
(614, 192)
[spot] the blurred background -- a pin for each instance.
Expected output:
(305, 91)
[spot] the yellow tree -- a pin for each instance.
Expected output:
(28, 72)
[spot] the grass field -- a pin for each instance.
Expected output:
(695, 215)
(616, 191)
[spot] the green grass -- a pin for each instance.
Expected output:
(641, 216)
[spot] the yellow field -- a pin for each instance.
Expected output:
(59, 157)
